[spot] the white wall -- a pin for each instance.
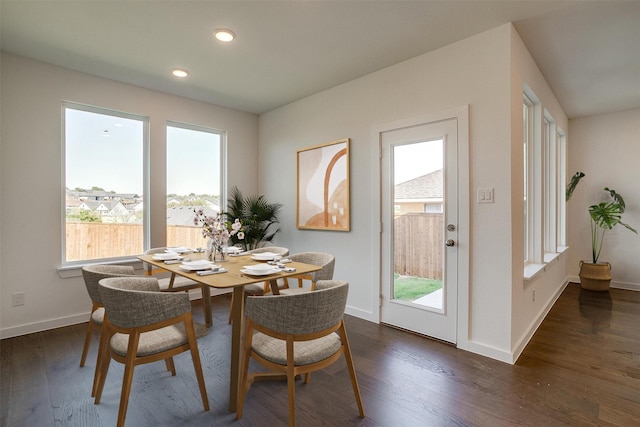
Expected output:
(607, 149)
(32, 176)
(475, 71)
(526, 311)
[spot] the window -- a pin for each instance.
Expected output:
(561, 183)
(550, 185)
(544, 165)
(533, 180)
(105, 215)
(195, 180)
(527, 138)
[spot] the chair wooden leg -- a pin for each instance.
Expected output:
(352, 371)
(102, 350)
(127, 378)
(244, 371)
(104, 369)
(291, 390)
(195, 357)
(230, 307)
(291, 384)
(171, 367)
(206, 305)
(87, 342)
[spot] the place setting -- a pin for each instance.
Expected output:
(202, 267)
(263, 269)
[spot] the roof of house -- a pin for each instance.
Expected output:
(427, 186)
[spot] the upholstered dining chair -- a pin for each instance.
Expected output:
(146, 325)
(257, 289)
(297, 334)
(180, 283)
(325, 260)
(92, 274)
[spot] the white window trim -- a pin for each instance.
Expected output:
(71, 269)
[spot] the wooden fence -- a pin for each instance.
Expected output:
(418, 243)
(93, 240)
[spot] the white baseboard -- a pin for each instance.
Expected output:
(45, 325)
(522, 343)
(487, 351)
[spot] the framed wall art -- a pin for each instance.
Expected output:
(323, 187)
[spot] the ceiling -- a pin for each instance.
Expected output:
(588, 51)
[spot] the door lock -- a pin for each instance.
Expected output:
(450, 242)
(451, 227)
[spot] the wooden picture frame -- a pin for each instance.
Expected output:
(322, 187)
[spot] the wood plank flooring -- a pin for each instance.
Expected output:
(581, 368)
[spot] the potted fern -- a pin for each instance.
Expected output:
(595, 275)
(258, 216)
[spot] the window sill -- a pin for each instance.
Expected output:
(531, 271)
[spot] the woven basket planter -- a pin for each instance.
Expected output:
(595, 277)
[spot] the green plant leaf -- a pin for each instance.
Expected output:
(573, 183)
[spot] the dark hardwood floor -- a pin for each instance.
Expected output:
(582, 367)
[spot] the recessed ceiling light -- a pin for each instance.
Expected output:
(179, 72)
(224, 35)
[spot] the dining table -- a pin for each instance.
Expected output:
(234, 276)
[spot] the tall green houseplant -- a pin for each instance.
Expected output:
(259, 218)
(604, 216)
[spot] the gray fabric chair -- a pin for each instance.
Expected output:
(327, 261)
(297, 334)
(256, 289)
(92, 274)
(179, 284)
(146, 325)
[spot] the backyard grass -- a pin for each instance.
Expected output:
(410, 288)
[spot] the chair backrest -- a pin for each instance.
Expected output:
(137, 301)
(92, 274)
(275, 249)
(327, 261)
(304, 313)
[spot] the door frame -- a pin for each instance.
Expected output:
(461, 114)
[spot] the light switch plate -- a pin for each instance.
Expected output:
(485, 195)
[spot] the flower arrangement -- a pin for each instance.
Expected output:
(217, 230)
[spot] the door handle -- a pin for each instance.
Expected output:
(450, 242)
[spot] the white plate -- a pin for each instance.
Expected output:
(198, 265)
(264, 256)
(232, 249)
(179, 250)
(260, 273)
(258, 267)
(165, 256)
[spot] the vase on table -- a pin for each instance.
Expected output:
(215, 251)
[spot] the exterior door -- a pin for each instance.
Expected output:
(419, 233)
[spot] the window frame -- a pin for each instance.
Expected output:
(64, 264)
(222, 135)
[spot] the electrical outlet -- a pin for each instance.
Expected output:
(18, 299)
(533, 296)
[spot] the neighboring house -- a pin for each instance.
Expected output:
(184, 215)
(422, 194)
(109, 210)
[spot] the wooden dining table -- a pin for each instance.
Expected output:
(235, 279)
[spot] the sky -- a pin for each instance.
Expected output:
(416, 159)
(107, 152)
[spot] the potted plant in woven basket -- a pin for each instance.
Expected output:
(595, 275)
